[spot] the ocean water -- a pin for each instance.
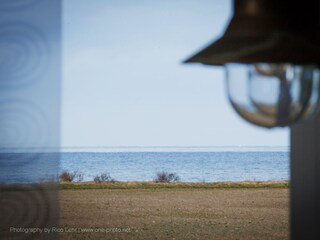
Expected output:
(191, 164)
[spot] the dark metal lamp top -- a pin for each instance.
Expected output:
(270, 31)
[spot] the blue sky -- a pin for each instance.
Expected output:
(124, 83)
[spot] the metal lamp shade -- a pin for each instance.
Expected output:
(269, 31)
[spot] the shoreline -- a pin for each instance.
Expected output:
(150, 185)
(281, 184)
(174, 185)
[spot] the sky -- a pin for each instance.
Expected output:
(124, 83)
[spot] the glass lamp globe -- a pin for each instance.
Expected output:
(271, 95)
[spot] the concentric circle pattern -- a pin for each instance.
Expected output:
(24, 55)
(24, 207)
(7, 5)
(24, 127)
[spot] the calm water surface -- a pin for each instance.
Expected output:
(192, 164)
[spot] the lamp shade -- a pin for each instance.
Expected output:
(269, 31)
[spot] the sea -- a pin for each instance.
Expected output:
(191, 164)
